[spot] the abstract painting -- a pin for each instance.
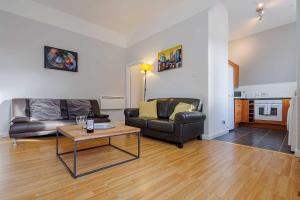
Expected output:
(170, 58)
(60, 59)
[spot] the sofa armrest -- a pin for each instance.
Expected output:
(19, 119)
(101, 116)
(131, 112)
(189, 117)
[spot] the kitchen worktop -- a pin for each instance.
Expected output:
(268, 98)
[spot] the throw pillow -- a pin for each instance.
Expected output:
(44, 109)
(182, 107)
(148, 109)
(78, 107)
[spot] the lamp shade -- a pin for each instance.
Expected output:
(146, 67)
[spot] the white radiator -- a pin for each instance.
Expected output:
(112, 102)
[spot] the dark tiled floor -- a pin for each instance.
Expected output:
(275, 140)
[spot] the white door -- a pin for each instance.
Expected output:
(136, 91)
(230, 99)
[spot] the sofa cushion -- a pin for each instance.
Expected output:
(64, 109)
(45, 109)
(148, 109)
(182, 107)
(163, 108)
(95, 107)
(35, 126)
(78, 107)
(140, 122)
(162, 125)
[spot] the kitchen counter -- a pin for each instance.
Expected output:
(268, 98)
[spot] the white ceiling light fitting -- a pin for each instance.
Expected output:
(260, 10)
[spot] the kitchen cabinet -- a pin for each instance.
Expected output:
(237, 112)
(241, 111)
(244, 112)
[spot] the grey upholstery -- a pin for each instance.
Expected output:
(23, 126)
(186, 126)
(78, 107)
(45, 109)
(34, 126)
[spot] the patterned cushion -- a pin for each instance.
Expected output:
(44, 109)
(78, 107)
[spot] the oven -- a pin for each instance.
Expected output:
(268, 110)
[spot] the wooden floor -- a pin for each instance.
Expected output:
(201, 170)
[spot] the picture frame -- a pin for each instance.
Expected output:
(170, 58)
(60, 59)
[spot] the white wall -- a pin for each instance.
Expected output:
(191, 79)
(273, 90)
(22, 73)
(266, 57)
(218, 33)
(199, 56)
(298, 77)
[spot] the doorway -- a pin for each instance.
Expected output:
(134, 86)
(230, 97)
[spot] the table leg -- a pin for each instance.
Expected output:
(139, 148)
(56, 143)
(75, 155)
(109, 140)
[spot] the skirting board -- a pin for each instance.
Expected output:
(4, 135)
(214, 135)
(297, 153)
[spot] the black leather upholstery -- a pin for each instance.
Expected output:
(138, 122)
(186, 126)
(163, 108)
(22, 126)
(189, 117)
(162, 125)
(131, 112)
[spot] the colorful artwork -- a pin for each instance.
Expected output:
(170, 58)
(60, 59)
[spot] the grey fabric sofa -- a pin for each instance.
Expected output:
(37, 117)
(186, 126)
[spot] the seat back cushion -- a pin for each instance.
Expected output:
(166, 106)
(95, 107)
(163, 108)
(148, 109)
(182, 107)
(64, 109)
(77, 107)
(175, 101)
(45, 109)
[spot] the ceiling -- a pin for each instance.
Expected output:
(243, 20)
(123, 16)
(130, 16)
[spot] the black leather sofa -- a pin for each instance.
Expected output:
(186, 126)
(23, 125)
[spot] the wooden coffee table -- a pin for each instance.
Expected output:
(77, 135)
